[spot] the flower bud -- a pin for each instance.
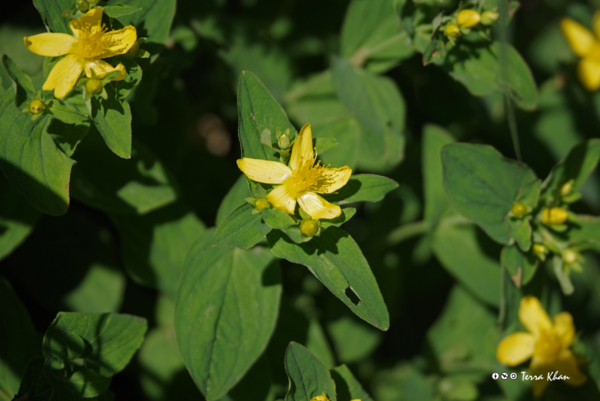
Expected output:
(554, 215)
(262, 203)
(489, 17)
(569, 256)
(284, 141)
(320, 398)
(452, 31)
(540, 249)
(566, 188)
(83, 5)
(468, 18)
(519, 210)
(93, 86)
(309, 228)
(36, 106)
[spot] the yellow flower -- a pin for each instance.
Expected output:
(547, 345)
(554, 215)
(452, 31)
(302, 181)
(84, 51)
(585, 44)
(468, 18)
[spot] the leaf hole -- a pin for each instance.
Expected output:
(352, 295)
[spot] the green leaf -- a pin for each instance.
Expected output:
(520, 230)
(336, 260)
(371, 35)
(322, 145)
(234, 198)
(51, 12)
(480, 72)
(566, 285)
(126, 187)
(529, 194)
(101, 290)
(31, 160)
(155, 245)
(307, 375)
(86, 383)
(403, 383)
(17, 219)
(241, 229)
(459, 251)
(111, 339)
(25, 91)
(65, 113)
(348, 388)
(346, 131)
(279, 220)
(436, 203)
(132, 79)
(112, 118)
(352, 339)
(363, 188)
(577, 166)
(119, 10)
(486, 195)
(20, 342)
(520, 265)
(346, 215)
(226, 312)
(257, 111)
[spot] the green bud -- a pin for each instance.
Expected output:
(93, 86)
(519, 210)
(284, 141)
(569, 256)
(36, 106)
(261, 204)
(83, 5)
(452, 31)
(489, 17)
(309, 228)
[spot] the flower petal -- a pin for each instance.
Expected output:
(515, 349)
(579, 37)
(101, 68)
(564, 328)
(588, 71)
(64, 75)
(119, 41)
(281, 199)
(566, 365)
(302, 151)
(265, 171)
(91, 19)
(539, 367)
(596, 24)
(533, 316)
(317, 207)
(332, 179)
(51, 44)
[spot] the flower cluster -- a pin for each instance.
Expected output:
(467, 19)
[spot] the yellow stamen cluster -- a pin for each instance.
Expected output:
(310, 177)
(92, 41)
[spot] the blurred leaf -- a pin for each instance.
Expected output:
(478, 68)
(51, 12)
(436, 203)
(484, 196)
(20, 342)
(112, 118)
(86, 383)
(346, 131)
(119, 10)
(125, 187)
(156, 244)
(317, 343)
(110, 339)
(11, 44)
(458, 250)
(257, 111)
(520, 265)
(241, 229)
(403, 383)
(353, 341)
(226, 312)
(322, 145)
(233, 199)
(348, 388)
(307, 375)
(363, 188)
(101, 290)
(334, 258)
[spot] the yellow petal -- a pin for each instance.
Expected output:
(566, 365)
(533, 316)
(119, 42)
(332, 179)
(515, 349)
(563, 327)
(539, 367)
(101, 68)
(281, 199)
(317, 207)
(91, 19)
(51, 44)
(596, 24)
(64, 75)
(579, 37)
(302, 151)
(588, 71)
(265, 171)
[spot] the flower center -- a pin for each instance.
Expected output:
(92, 41)
(310, 177)
(547, 345)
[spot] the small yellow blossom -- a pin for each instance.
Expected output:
(586, 45)
(91, 42)
(309, 228)
(452, 31)
(468, 18)
(519, 210)
(554, 215)
(36, 106)
(301, 182)
(547, 344)
(93, 86)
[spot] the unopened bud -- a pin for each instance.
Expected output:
(36, 106)
(554, 215)
(489, 17)
(569, 256)
(566, 188)
(309, 228)
(540, 249)
(320, 398)
(519, 210)
(284, 141)
(468, 18)
(83, 5)
(452, 31)
(93, 86)
(261, 204)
